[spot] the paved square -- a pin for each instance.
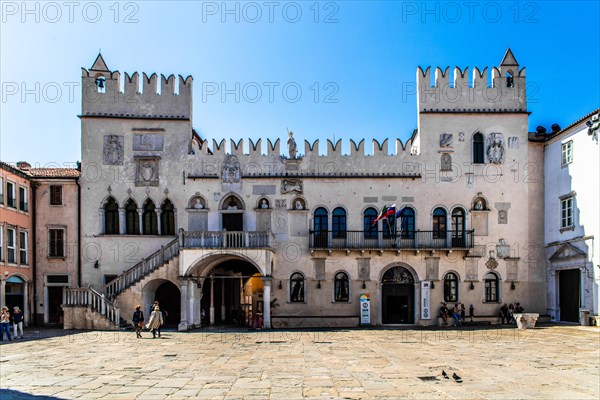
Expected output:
(560, 362)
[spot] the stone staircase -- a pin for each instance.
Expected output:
(86, 308)
(142, 269)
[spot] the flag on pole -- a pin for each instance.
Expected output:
(385, 213)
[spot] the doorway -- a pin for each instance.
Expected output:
(55, 298)
(569, 288)
(169, 300)
(398, 297)
(233, 222)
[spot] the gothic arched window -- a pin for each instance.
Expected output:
(111, 217)
(149, 218)
(132, 220)
(167, 218)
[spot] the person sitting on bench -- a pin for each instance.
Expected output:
(444, 313)
(456, 314)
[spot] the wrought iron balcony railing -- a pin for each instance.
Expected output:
(382, 240)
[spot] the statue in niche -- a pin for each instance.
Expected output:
(446, 139)
(230, 170)
(298, 205)
(264, 204)
(232, 205)
(491, 262)
(495, 151)
(291, 145)
(291, 185)
(113, 150)
(446, 162)
(198, 204)
(479, 205)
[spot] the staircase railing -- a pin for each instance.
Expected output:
(97, 302)
(133, 275)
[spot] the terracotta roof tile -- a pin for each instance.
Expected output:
(53, 172)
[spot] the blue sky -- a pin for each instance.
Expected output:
(352, 60)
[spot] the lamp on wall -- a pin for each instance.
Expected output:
(280, 285)
(471, 286)
(432, 285)
(364, 286)
(96, 264)
(319, 284)
(512, 286)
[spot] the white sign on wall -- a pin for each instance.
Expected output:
(365, 309)
(425, 300)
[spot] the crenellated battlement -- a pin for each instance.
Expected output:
(464, 92)
(102, 95)
(311, 150)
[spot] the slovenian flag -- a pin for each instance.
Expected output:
(400, 211)
(385, 213)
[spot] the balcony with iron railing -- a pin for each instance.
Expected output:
(382, 240)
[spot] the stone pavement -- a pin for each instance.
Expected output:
(554, 361)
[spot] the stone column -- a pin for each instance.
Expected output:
(551, 295)
(141, 220)
(46, 308)
(223, 300)
(582, 287)
(267, 303)
(2, 292)
(212, 300)
(158, 211)
(183, 324)
(101, 221)
(121, 221)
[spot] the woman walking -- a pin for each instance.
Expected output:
(155, 321)
(4, 323)
(17, 318)
(138, 320)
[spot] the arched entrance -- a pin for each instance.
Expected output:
(15, 293)
(233, 294)
(398, 296)
(168, 296)
(169, 299)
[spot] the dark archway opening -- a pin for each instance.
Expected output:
(169, 300)
(398, 297)
(235, 290)
(569, 289)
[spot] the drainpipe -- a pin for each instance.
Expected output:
(78, 230)
(33, 211)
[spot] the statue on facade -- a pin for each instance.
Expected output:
(495, 151)
(113, 150)
(291, 145)
(230, 170)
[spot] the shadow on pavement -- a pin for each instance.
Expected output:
(7, 394)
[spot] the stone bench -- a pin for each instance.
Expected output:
(526, 320)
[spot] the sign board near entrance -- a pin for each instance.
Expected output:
(425, 300)
(365, 309)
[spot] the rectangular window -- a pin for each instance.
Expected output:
(11, 254)
(23, 245)
(23, 200)
(567, 153)
(1, 243)
(11, 197)
(56, 245)
(56, 195)
(566, 212)
(1, 191)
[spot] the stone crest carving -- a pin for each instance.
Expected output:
(148, 142)
(446, 139)
(461, 137)
(113, 149)
(146, 172)
(496, 148)
(291, 185)
(230, 170)
(280, 203)
(491, 263)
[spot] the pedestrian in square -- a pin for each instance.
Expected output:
(4, 323)
(155, 321)
(17, 318)
(138, 320)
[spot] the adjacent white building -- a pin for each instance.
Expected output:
(571, 215)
